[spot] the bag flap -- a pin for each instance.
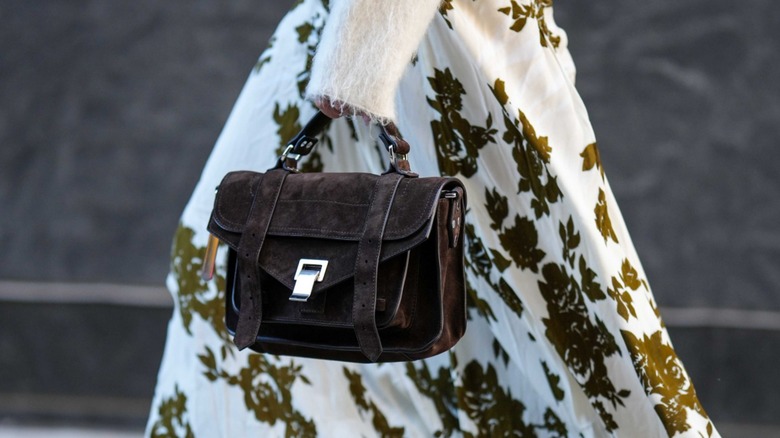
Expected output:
(321, 216)
(324, 205)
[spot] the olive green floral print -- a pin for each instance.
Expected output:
(662, 374)
(563, 330)
(489, 405)
(478, 262)
(521, 13)
(172, 422)
(309, 35)
(497, 207)
(583, 343)
(446, 5)
(627, 280)
(267, 390)
(197, 297)
(531, 153)
(440, 389)
(591, 158)
(495, 412)
(554, 381)
(366, 406)
(289, 125)
(603, 222)
(521, 241)
(265, 58)
(457, 141)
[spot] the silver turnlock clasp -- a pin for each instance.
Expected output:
(309, 272)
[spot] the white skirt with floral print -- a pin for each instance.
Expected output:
(564, 336)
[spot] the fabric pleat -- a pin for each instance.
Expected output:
(564, 336)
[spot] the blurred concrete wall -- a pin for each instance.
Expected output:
(109, 109)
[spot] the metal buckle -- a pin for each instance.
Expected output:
(300, 147)
(309, 271)
(395, 157)
(288, 154)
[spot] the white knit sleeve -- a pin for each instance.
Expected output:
(365, 47)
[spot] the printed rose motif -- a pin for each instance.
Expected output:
(583, 344)
(531, 153)
(521, 241)
(662, 373)
(672, 373)
(493, 409)
(266, 389)
(577, 354)
(457, 141)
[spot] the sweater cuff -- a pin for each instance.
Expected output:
(365, 47)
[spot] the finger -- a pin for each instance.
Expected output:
(328, 108)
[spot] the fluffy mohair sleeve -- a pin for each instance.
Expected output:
(365, 47)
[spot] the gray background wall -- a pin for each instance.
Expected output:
(109, 109)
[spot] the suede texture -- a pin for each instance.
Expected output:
(414, 232)
(367, 265)
(249, 247)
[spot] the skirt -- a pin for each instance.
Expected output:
(564, 336)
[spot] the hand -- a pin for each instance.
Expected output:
(334, 110)
(328, 108)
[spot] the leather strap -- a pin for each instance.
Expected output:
(249, 247)
(319, 121)
(402, 146)
(367, 266)
(304, 142)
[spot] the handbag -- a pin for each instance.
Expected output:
(352, 267)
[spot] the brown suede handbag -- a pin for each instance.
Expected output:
(344, 266)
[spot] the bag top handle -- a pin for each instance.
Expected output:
(305, 141)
